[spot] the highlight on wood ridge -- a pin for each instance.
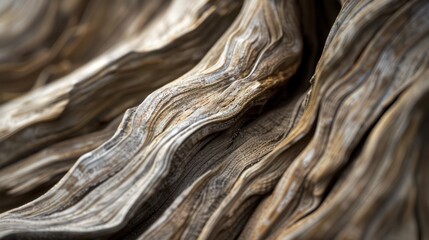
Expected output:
(214, 119)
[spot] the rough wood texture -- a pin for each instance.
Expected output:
(118, 79)
(217, 120)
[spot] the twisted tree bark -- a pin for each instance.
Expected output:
(214, 119)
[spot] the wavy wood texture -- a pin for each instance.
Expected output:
(121, 77)
(216, 120)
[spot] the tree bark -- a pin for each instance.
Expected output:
(214, 119)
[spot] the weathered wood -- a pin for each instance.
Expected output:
(252, 125)
(43, 40)
(114, 81)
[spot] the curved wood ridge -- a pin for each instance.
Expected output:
(215, 119)
(109, 84)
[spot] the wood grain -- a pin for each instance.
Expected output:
(220, 119)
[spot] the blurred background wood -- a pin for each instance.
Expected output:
(214, 119)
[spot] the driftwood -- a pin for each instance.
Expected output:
(254, 119)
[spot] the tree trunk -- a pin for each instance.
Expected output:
(214, 119)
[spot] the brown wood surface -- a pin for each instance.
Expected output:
(214, 119)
